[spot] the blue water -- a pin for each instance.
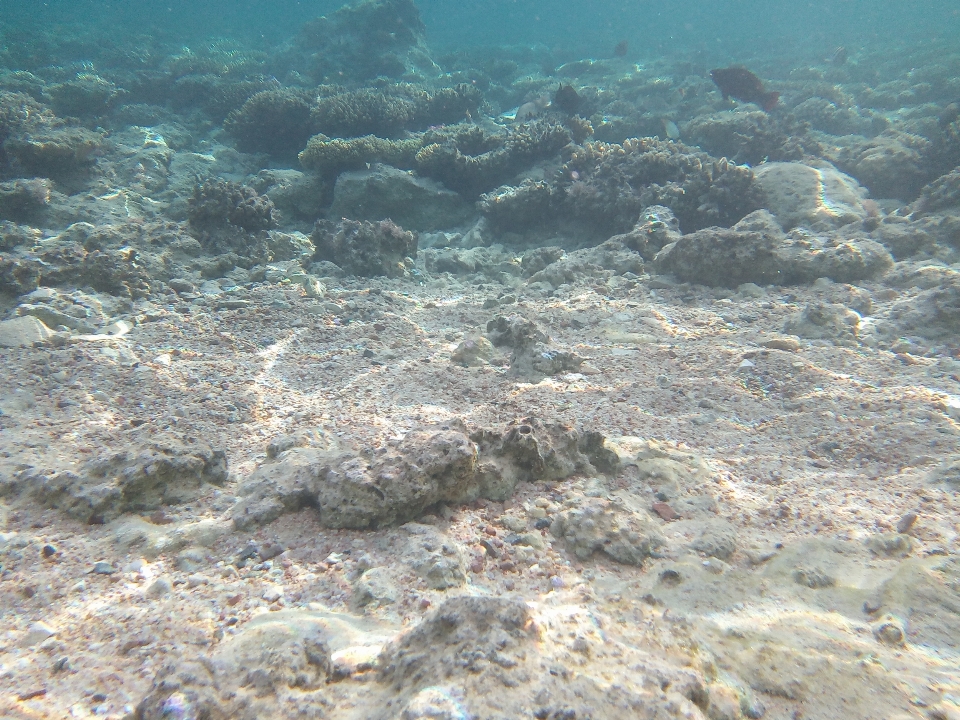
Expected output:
(736, 27)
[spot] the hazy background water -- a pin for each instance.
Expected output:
(578, 28)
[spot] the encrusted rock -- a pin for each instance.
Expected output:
(433, 464)
(625, 535)
(799, 194)
(365, 248)
(756, 250)
(160, 472)
(243, 678)
(386, 193)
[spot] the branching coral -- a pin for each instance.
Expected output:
(331, 156)
(276, 122)
(216, 203)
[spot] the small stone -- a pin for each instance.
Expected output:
(786, 343)
(23, 332)
(272, 594)
(196, 581)
(37, 633)
(270, 551)
(159, 588)
(889, 632)
(48, 551)
(104, 568)
(906, 522)
(665, 511)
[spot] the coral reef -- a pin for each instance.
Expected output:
(386, 114)
(608, 185)
(365, 248)
(217, 203)
(471, 161)
(331, 156)
(465, 158)
(942, 194)
(361, 42)
(751, 137)
(276, 122)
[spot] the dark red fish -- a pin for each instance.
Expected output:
(743, 85)
(566, 99)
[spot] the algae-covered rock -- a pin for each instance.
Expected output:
(756, 250)
(439, 463)
(799, 194)
(365, 248)
(625, 535)
(160, 472)
(383, 192)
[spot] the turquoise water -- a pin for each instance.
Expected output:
(573, 25)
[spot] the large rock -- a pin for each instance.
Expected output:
(365, 248)
(386, 193)
(756, 250)
(144, 477)
(814, 197)
(248, 677)
(23, 332)
(433, 464)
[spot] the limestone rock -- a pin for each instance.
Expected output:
(438, 559)
(23, 332)
(244, 677)
(386, 193)
(431, 464)
(158, 472)
(756, 250)
(799, 194)
(613, 528)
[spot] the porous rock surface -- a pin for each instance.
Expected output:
(164, 471)
(757, 250)
(445, 463)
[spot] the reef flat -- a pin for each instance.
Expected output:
(345, 377)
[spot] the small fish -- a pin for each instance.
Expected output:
(740, 83)
(566, 99)
(621, 49)
(840, 56)
(671, 129)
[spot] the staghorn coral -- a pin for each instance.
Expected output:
(276, 122)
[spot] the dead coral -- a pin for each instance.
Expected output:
(365, 248)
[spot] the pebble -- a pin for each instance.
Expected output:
(906, 522)
(272, 594)
(37, 633)
(104, 568)
(665, 511)
(197, 580)
(159, 588)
